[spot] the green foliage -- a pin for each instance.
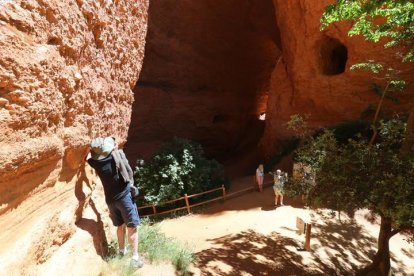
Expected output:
(158, 247)
(355, 175)
(388, 74)
(299, 125)
(371, 66)
(377, 19)
(118, 266)
(179, 167)
(111, 249)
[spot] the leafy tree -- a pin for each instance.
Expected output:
(392, 21)
(179, 167)
(397, 25)
(392, 84)
(375, 173)
(356, 175)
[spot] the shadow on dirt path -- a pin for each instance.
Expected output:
(255, 254)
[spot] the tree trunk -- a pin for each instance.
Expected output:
(376, 116)
(381, 263)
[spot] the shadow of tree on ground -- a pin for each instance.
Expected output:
(251, 253)
(337, 249)
(339, 243)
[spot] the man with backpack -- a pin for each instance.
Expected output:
(117, 179)
(279, 180)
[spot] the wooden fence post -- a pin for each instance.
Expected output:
(187, 204)
(224, 191)
(308, 227)
(154, 210)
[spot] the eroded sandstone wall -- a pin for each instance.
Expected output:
(66, 73)
(313, 75)
(205, 74)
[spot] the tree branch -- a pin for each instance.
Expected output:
(374, 121)
(400, 229)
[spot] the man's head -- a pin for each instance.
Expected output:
(278, 172)
(102, 147)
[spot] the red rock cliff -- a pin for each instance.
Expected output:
(66, 72)
(313, 75)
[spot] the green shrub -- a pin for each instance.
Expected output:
(179, 167)
(158, 247)
(155, 247)
(118, 266)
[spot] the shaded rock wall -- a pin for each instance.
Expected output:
(313, 76)
(66, 73)
(205, 74)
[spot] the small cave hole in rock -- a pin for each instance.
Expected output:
(333, 56)
(262, 116)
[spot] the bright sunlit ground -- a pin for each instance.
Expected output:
(247, 235)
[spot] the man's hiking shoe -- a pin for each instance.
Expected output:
(137, 263)
(122, 253)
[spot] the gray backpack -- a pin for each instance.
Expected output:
(124, 170)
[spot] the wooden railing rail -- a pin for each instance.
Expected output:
(183, 197)
(188, 206)
(206, 192)
(207, 201)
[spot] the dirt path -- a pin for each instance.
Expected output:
(248, 236)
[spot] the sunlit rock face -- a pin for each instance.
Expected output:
(66, 73)
(205, 75)
(313, 77)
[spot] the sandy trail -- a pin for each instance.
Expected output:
(247, 235)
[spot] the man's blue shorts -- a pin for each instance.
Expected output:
(124, 210)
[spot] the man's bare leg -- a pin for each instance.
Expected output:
(133, 240)
(281, 199)
(136, 261)
(120, 232)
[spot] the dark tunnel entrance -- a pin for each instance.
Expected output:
(206, 67)
(333, 56)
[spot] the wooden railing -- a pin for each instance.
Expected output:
(187, 202)
(188, 206)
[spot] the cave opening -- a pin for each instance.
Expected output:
(227, 50)
(333, 56)
(262, 116)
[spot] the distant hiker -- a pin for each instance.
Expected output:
(308, 181)
(259, 177)
(279, 181)
(117, 179)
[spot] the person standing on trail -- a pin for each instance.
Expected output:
(279, 181)
(117, 179)
(259, 177)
